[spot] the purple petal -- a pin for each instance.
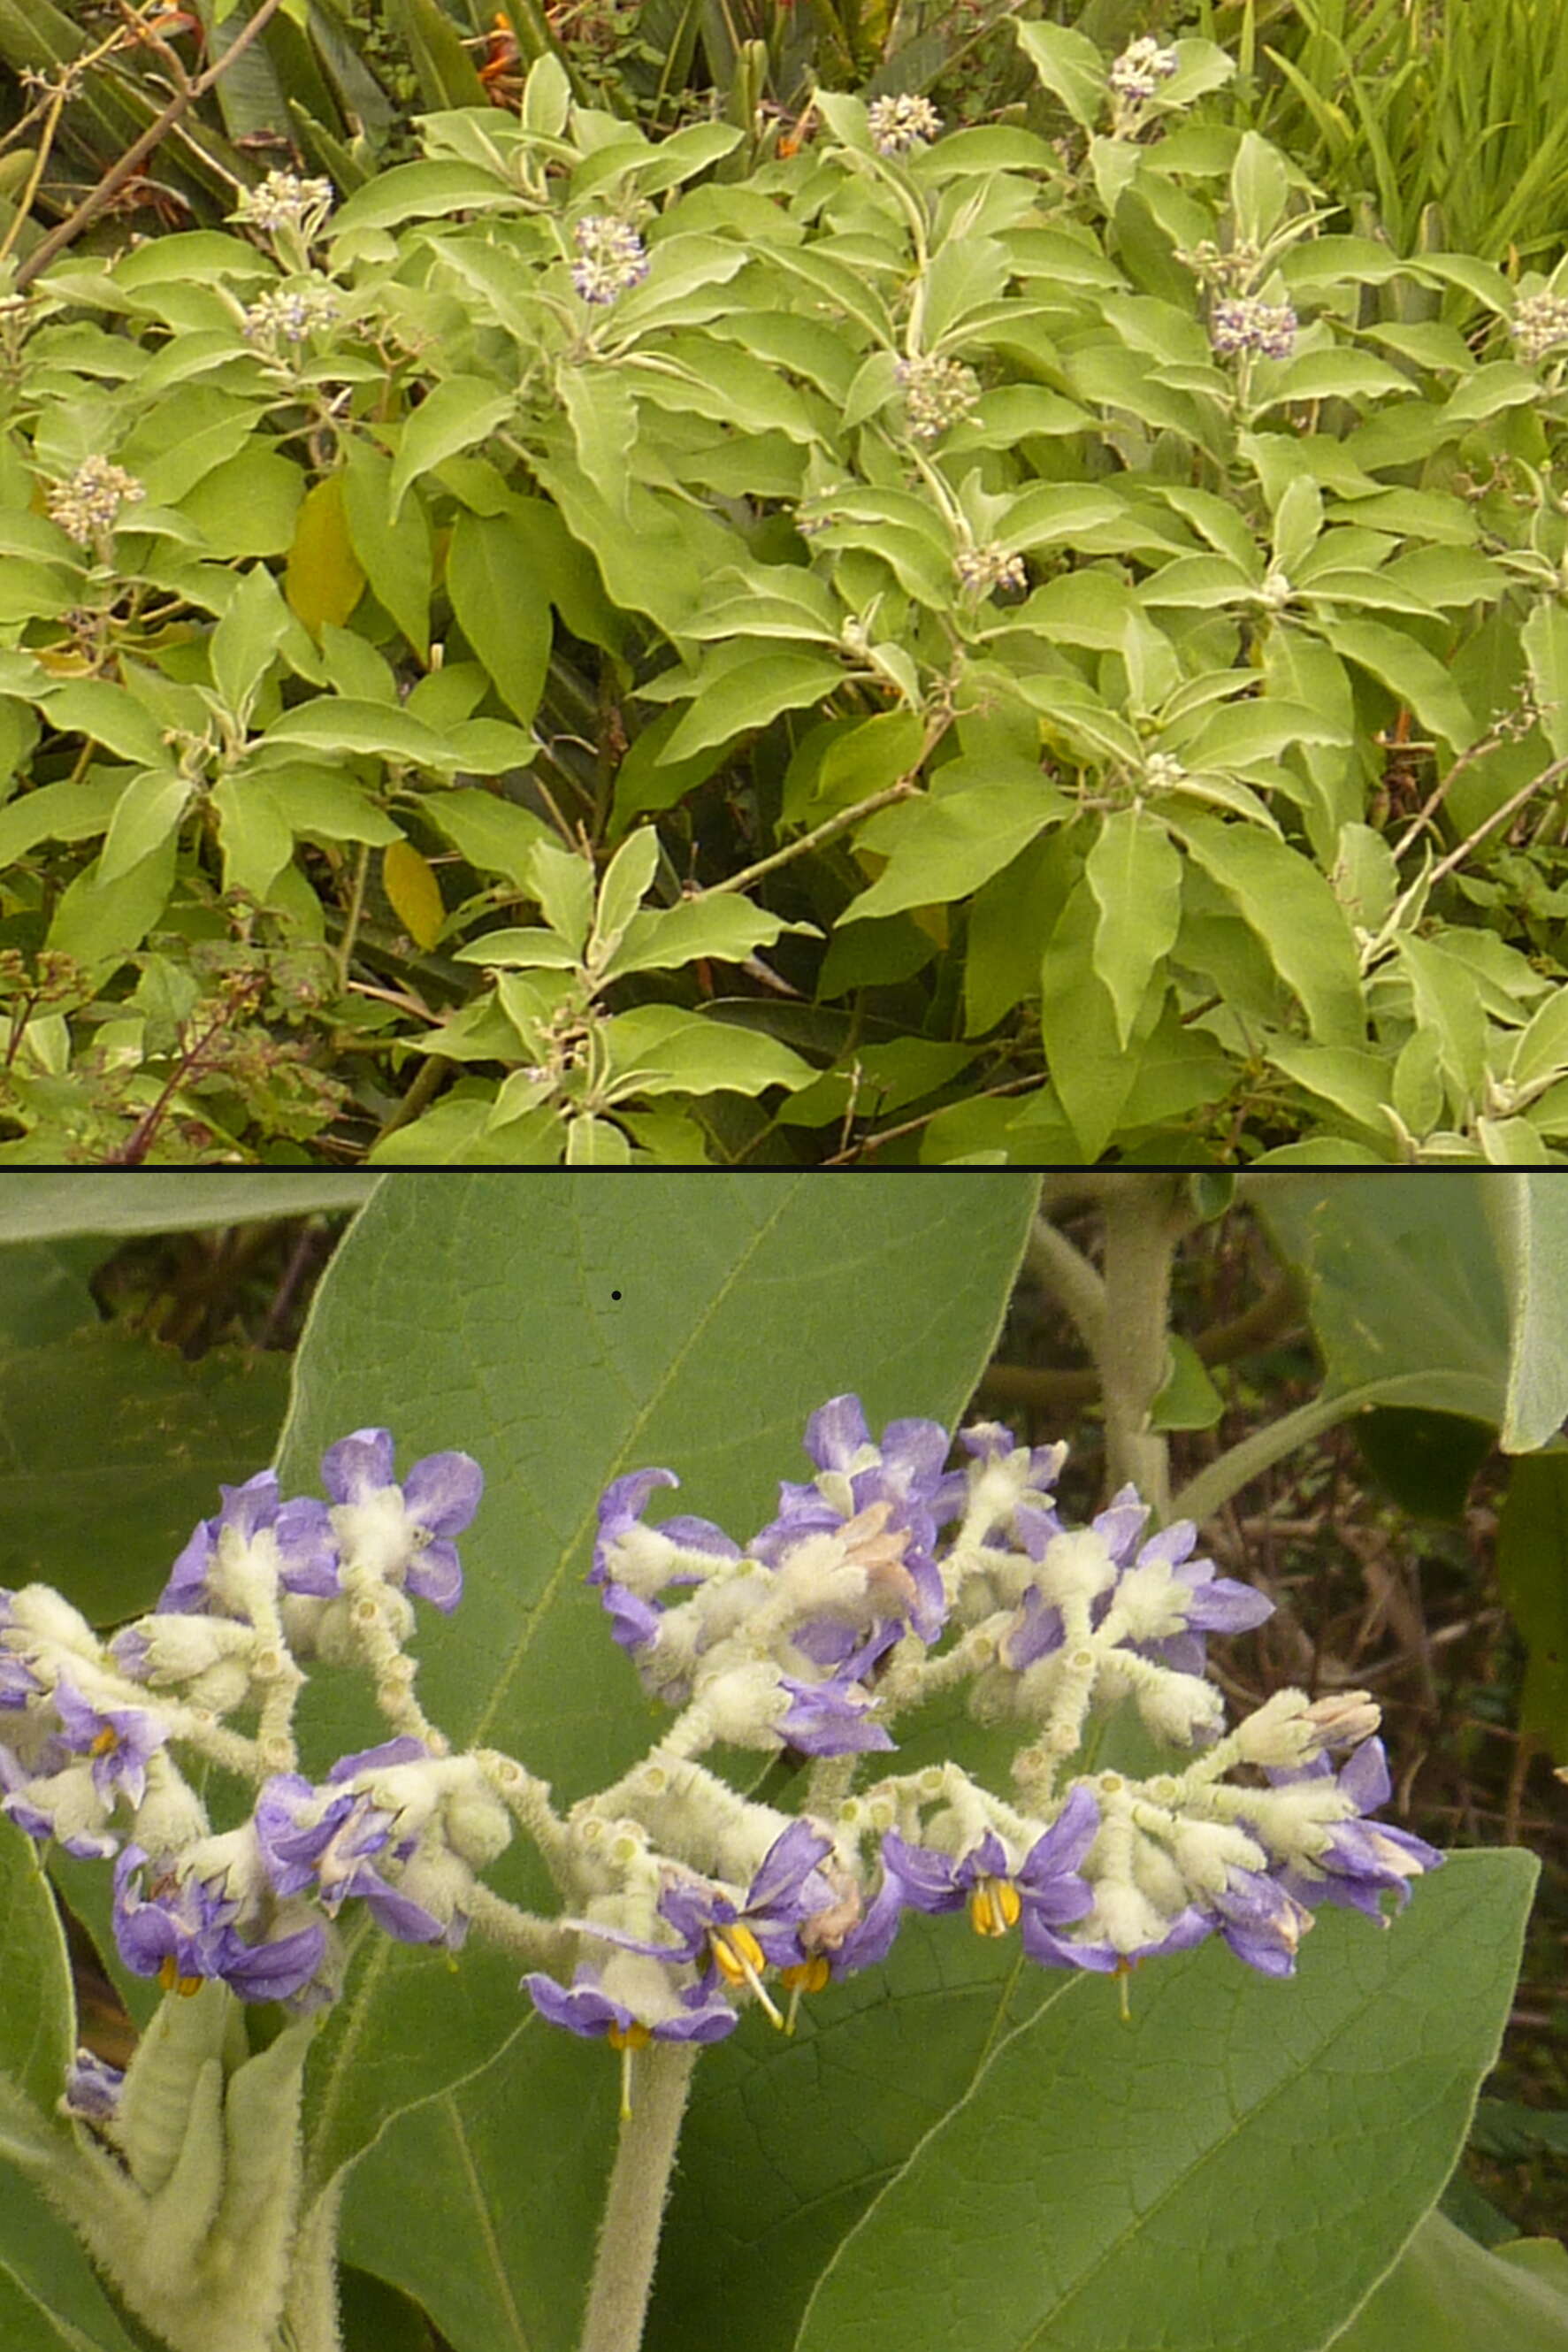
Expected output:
(836, 1432)
(925, 1880)
(442, 1491)
(435, 1574)
(303, 1533)
(274, 1971)
(785, 1867)
(404, 1749)
(359, 1465)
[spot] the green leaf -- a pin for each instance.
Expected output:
(105, 714)
(1189, 1399)
(627, 880)
(254, 834)
(456, 411)
(40, 1208)
(343, 722)
(1136, 874)
(1545, 639)
(392, 544)
(418, 192)
(1409, 671)
(1533, 1575)
(247, 638)
(1448, 2294)
(1243, 733)
(494, 834)
(563, 884)
(1104, 2203)
(86, 1425)
(147, 814)
(1070, 67)
(501, 606)
(947, 845)
(1528, 1217)
(603, 420)
(725, 925)
(749, 696)
(1091, 1070)
(512, 1325)
(37, 2017)
(1288, 902)
(1443, 991)
(1405, 1285)
(672, 1051)
(1258, 188)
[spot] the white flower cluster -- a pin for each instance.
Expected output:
(285, 201)
(1161, 771)
(291, 314)
(1539, 321)
(1138, 72)
(982, 569)
(1247, 324)
(611, 257)
(91, 501)
(937, 393)
(900, 124)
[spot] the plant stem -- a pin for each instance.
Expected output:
(634, 2207)
(1143, 1224)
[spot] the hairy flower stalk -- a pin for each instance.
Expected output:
(883, 1579)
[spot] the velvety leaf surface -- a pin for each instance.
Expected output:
(1446, 2294)
(36, 1207)
(107, 1429)
(49, 2299)
(1238, 2165)
(1404, 1279)
(563, 1333)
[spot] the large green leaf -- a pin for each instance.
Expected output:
(111, 1447)
(50, 2300)
(1447, 2293)
(1246, 2159)
(1413, 1302)
(564, 1332)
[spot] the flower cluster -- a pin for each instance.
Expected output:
(1539, 321)
(885, 1579)
(937, 393)
(1161, 770)
(91, 501)
(88, 1729)
(982, 569)
(900, 124)
(1137, 73)
(852, 1603)
(292, 313)
(1245, 324)
(611, 257)
(284, 201)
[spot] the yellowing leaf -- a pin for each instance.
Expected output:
(324, 579)
(410, 883)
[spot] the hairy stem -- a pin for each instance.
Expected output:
(639, 2188)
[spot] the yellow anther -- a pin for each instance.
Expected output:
(171, 1979)
(737, 1953)
(806, 1976)
(994, 1906)
(634, 2036)
(740, 1959)
(106, 1743)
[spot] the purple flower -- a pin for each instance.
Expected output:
(1364, 1860)
(119, 1740)
(56, 1801)
(328, 1840)
(905, 1473)
(1208, 1603)
(1261, 1921)
(195, 1582)
(93, 2086)
(834, 1716)
(183, 1930)
(1045, 1889)
(583, 2008)
(415, 1520)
